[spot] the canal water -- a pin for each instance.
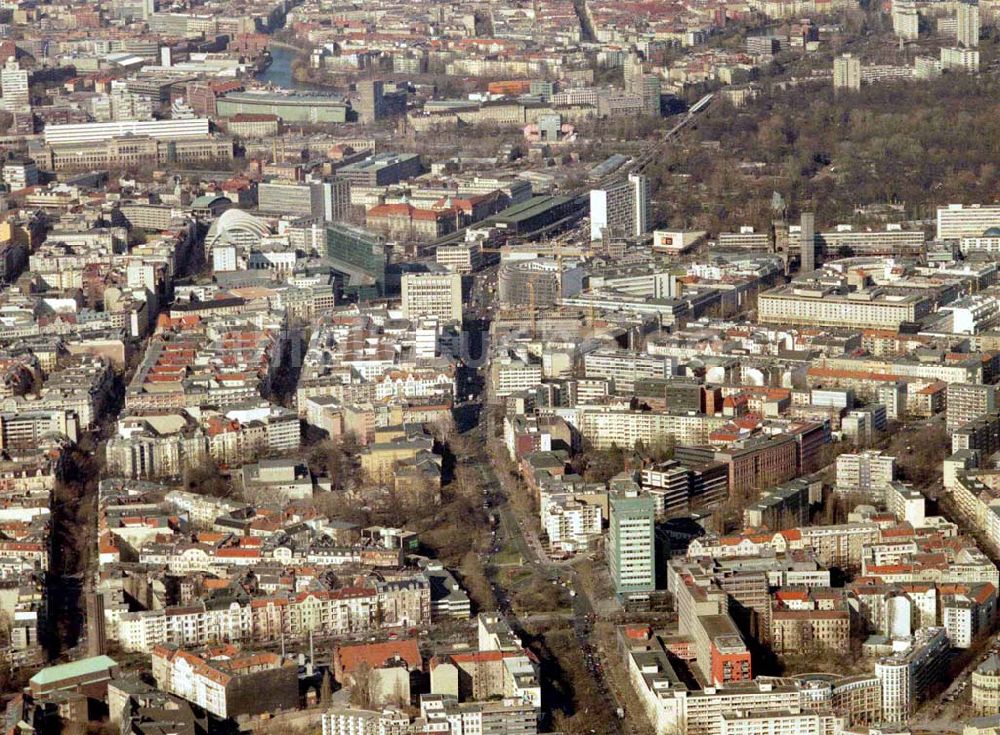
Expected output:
(279, 73)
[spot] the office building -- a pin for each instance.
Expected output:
(807, 243)
(969, 401)
(647, 87)
(631, 552)
(167, 130)
(959, 220)
(847, 72)
(326, 199)
(14, 87)
(375, 103)
(781, 507)
(536, 283)
(358, 257)
(462, 258)
(383, 169)
(432, 294)
(624, 368)
(311, 109)
(19, 173)
(754, 463)
(828, 306)
(620, 210)
(747, 238)
(703, 599)
(967, 26)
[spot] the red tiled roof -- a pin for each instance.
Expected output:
(377, 654)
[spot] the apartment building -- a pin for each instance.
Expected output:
(907, 674)
(349, 610)
(624, 368)
(847, 72)
(966, 402)
(781, 722)
(869, 472)
(228, 682)
(986, 687)
(631, 547)
(702, 608)
(797, 631)
(906, 503)
(604, 427)
(864, 425)
(571, 525)
(967, 612)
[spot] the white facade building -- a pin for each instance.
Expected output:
(93, 132)
(958, 220)
(432, 294)
(14, 85)
(621, 209)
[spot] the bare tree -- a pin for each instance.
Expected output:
(363, 686)
(326, 690)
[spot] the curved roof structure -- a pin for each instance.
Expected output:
(236, 227)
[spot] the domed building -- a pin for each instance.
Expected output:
(988, 242)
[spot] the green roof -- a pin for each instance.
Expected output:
(205, 200)
(531, 208)
(74, 669)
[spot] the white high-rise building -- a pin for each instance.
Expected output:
(968, 401)
(865, 472)
(14, 87)
(958, 220)
(432, 294)
(967, 27)
(621, 209)
(960, 59)
(905, 20)
(847, 72)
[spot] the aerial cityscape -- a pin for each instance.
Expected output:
(500, 367)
